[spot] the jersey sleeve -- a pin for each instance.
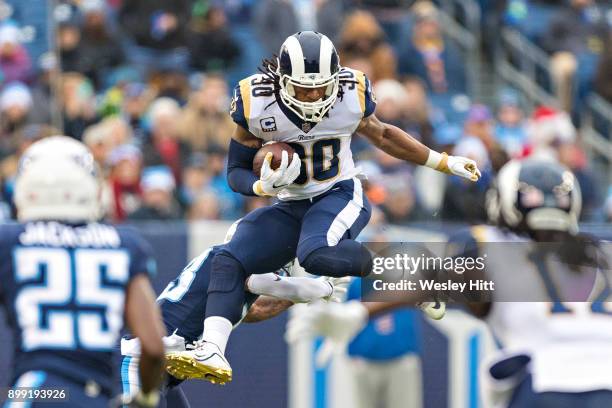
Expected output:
(240, 107)
(141, 254)
(367, 100)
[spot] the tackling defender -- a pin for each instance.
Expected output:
(183, 306)
(304, 98)
(556, 353)
(69, 284)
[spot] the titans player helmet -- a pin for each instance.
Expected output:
(308, 60)
(57, 180)
(535, 195)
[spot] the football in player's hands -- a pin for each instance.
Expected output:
(277, 153)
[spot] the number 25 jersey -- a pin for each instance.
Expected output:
(64, 290)
(324, 147)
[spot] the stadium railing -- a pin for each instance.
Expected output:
(460, 20)
(526, 66)
(596, 128)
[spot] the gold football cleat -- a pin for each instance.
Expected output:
(187, 365)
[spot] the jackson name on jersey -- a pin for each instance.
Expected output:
(323, 147)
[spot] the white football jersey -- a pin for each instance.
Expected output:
(570, 343)
(324, 147)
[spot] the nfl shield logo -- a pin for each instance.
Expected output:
(306, 127)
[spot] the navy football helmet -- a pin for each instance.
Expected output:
(309, 60)
(536, 195)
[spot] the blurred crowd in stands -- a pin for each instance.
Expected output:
(146, 84)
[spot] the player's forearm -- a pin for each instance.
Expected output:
(150, 369)
(400, 144)
(240, 176)
(266, 308)
(241, 181)
(394, 141)
(144, 319)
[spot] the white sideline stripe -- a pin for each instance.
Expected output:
(347, 217)
(325, 54)
(295, 55)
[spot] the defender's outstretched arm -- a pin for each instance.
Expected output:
(266, 307)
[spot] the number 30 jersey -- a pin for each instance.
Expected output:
(63, 288)
(324, 147)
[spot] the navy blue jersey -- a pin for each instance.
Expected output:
(183, 301)
(63, 287)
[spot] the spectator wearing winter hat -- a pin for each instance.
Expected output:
(97, 139)
(481, 124)
(510, 130)
(15, 62)
(547, 129)
(15, 108)
(158, 202)
(135, 101)
(165, 147)
(125, 164)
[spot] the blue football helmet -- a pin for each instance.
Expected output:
(309, 60)
(537, 195)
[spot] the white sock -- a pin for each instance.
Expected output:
(295, 289)
(217, 330)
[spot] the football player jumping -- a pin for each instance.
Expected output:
(306, 99)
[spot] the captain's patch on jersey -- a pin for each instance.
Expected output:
(268, 124)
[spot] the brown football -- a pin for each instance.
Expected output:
(277, 152)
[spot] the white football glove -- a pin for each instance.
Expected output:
(271, 182)
(463, 167)
(339, 288)
(338, 321)
(457, 165)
